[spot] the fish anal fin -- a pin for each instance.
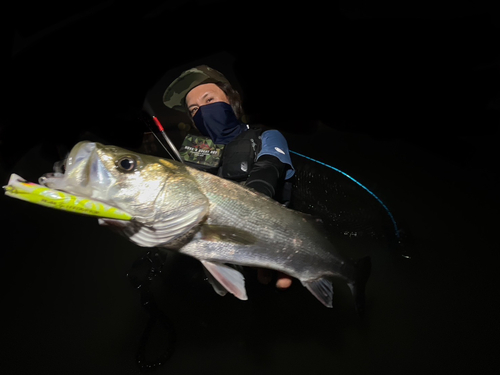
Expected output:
(231, 279)
(322, 289)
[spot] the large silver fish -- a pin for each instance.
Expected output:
(216, 221)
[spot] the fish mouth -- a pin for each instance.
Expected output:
(47, 179)
(77, 175)
(73, 175)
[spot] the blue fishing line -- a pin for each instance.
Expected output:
(360, 184)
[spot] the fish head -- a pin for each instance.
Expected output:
(158, 193)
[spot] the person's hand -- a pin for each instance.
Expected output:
(265, 276)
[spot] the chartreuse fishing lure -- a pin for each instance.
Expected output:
(38, 194)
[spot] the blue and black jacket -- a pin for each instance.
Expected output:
(262, 160)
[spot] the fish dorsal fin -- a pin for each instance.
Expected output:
(231, 279)
(322, 289)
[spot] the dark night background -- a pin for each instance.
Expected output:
(411, 91)
(426, 72)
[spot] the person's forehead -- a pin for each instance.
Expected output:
(202, 89)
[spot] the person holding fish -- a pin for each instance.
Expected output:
(228, 147)
(210, 216)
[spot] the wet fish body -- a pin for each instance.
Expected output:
(216, 221)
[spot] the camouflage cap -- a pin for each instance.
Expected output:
(175, 94)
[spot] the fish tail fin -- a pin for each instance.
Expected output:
(363, 270)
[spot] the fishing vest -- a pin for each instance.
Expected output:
(233, 161)
(240, 155)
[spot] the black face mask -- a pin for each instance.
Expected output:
(218, 121)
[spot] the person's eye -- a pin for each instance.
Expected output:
(193, 111)
(210, 100)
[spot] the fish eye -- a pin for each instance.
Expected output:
(126, 164)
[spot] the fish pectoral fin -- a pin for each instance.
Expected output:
(322, 289)
(231, 279)
(225, 233)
